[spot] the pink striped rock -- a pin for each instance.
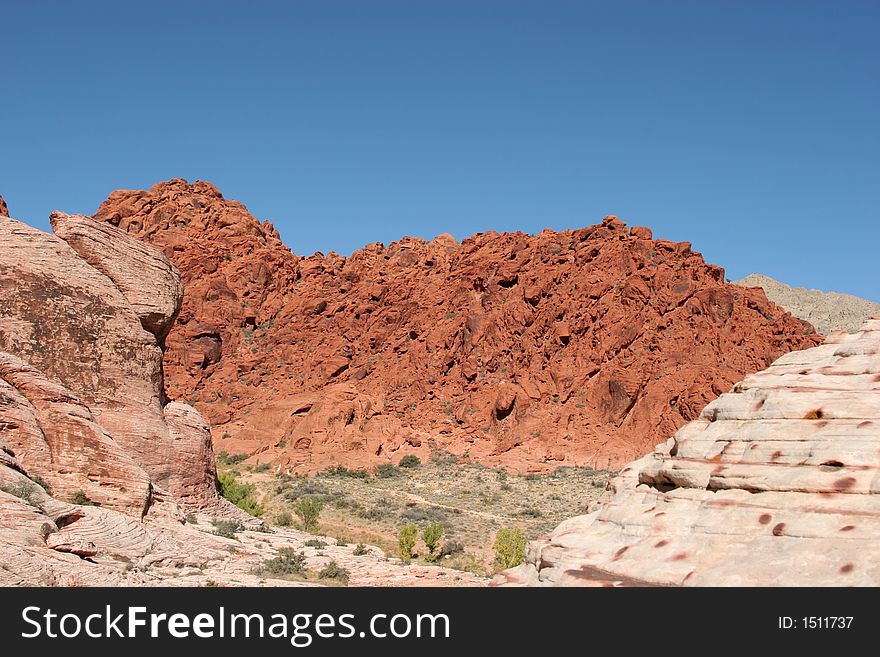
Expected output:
(776, 484)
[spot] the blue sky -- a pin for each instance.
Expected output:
(747, 128)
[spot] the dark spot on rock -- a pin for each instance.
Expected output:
(679, 556)
(765, 518)
(660, 544)
(814, 415)
(759, 404)
(778, 529)
(620, 552)
(845, 484)
(718, 469)
(847, 568)
(831, 466)
(866, 424)
(661, 513)
(776, 455)
(847, 528)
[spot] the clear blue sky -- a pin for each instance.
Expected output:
(748, 128)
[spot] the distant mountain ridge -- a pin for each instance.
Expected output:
(827, 311)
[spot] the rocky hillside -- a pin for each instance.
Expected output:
(97, 465)
(827, 311)
(579, 347)
(784, 466)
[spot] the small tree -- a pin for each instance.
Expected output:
(284, 519)
(406, 541)
(431, 535)
(308, 510)
(510, 548)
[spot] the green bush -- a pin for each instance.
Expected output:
(284, 519)
(431, 535)
(241, 495)
(510, 548)
(226, 528)
(386, 471)
(360, 550)
(288, 562)
(191, 519)
(315, 543)
(335, 572)
(409, 461)
(224, 458)
(342, 471)
(262, 467)
(406, 541)
(308, 510)
(79, 497)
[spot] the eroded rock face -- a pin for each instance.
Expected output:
(581, 347)
(775, 484)
(4, 210)
(149, 282)
(88, 389)
(55, 438)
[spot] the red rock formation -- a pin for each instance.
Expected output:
(4, 210)
(580, 347)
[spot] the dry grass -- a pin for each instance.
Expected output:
(471, 502)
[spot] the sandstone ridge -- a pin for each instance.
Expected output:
(530, 352)
(775, 484)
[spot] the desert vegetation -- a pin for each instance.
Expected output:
(444, 510)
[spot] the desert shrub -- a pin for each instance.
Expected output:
(226, 528)
(510, 548)
(240, 494)
(308, 510)
(191, 519)
(284, 519)
(342, 471)
(442, 457)
(42, 483)
(79, 497)
(532, 476)
(335, 572)
(423, 514)
(406, 541)
(262, 467)
(409, 461)
(431, 534)
(386, 471)
(529, 512)
(360, 550)
(25, 490)
(310, 487)
(451, 547)
(224, 458)
(315, 543)
(288, 562)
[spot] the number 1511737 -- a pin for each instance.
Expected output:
(815, 622)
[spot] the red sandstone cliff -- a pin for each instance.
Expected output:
(580, 347)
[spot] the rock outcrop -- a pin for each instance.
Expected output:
(82, 376)
(96, 464)
(827, 311)
(775, 484)
(4, 210)
(580, 347)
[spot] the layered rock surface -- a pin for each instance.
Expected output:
(776, 483)
(580, 347)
